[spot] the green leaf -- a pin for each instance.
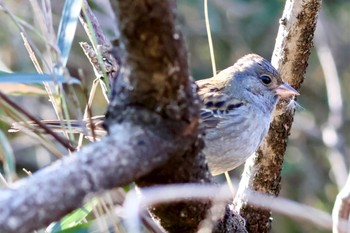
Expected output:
(82, 228)
(67, 27)
(73, 219)
(31, 78)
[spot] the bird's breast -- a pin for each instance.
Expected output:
(235, 139)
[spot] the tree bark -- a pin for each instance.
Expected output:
(153, 54)
(263, 170)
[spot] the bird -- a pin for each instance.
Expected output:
(237, 108)
(238, 104)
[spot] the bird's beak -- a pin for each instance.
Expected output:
(284, 90)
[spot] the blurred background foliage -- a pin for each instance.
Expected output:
(317, 158)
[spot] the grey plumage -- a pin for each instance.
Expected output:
(237, 111)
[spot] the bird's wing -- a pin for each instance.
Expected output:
(219, 108)
(217, 118)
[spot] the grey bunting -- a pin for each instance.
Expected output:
(237, 108)
(238, 105)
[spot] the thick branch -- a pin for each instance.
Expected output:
(154, 53)
(263, 171)
(129, 153)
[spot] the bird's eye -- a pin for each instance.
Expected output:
(265, 79)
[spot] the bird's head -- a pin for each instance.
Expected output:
(257, 75)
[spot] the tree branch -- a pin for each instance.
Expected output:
(127, 154)
(263, 170)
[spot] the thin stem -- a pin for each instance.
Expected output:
(59, 139)
(210, 41)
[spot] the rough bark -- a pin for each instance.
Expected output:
(263, 170)
(127, 154)
(150, 53)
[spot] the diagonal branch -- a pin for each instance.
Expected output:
(52, 192)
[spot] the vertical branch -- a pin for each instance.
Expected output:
(155, 65)
(152, 55)
(263, 170)
(331, 135)
(101, 39)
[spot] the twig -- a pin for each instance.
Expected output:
(292, 49)
(134, 203)
(331, 135)
(59, 139)
(101, 39)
